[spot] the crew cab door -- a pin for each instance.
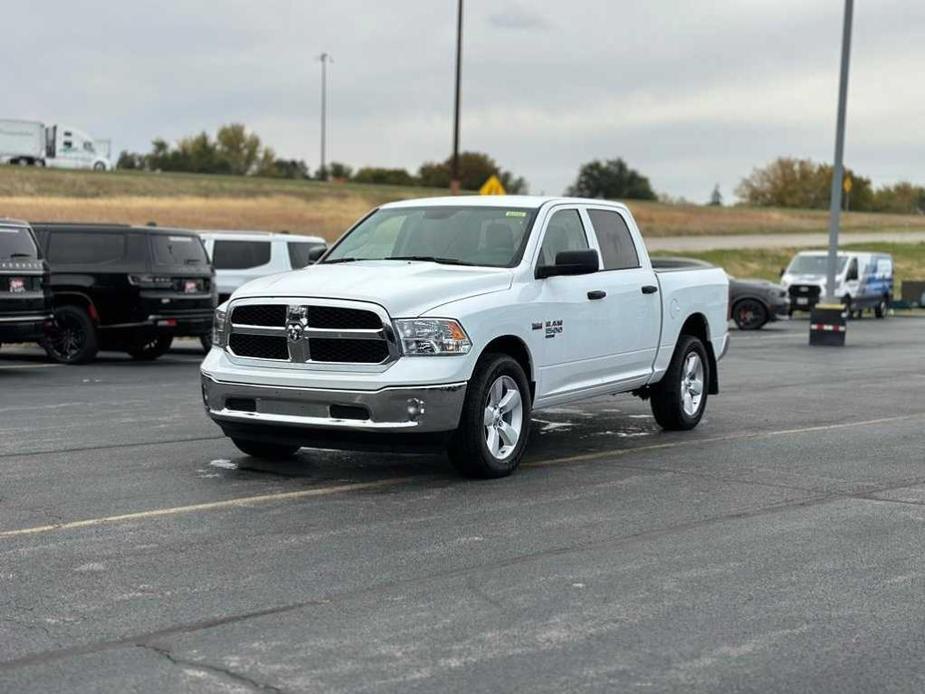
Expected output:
(633, 303)
(565, 310)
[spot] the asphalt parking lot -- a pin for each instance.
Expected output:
(779, 547)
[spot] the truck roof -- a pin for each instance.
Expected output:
(108, 227)
(531, 201)
(254, 235)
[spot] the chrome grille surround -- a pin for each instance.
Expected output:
(298, 333)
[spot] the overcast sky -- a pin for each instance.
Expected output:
(690, 93)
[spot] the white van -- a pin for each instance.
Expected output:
(862, 281)
(241, 256)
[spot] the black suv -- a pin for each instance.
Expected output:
(25, 304)
(124, 288)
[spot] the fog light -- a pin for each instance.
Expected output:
(415, 409)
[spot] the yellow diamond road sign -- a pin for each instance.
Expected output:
(492, 187)
(847, 184)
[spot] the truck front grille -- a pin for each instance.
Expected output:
(355, 351)
(311, 333)
(259, 314)
(259, 346)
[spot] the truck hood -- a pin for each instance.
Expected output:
(405, 288)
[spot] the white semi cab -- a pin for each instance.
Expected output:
(32, 143)
(446, 321)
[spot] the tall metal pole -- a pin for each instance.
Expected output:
(454, 171)
(323, 171)
(838, 173)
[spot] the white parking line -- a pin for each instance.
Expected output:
(391, 482)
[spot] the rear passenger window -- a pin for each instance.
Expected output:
(613, 236)
(565, 232)
(298, 253)
(240, 255)
(86, 248)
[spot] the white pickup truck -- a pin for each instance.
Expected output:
(446, 321)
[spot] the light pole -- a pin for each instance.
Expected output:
(325, 59)
(454, 170)
(838, 173)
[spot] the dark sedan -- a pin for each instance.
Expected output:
(753, 303)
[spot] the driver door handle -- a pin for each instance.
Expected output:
(597, 294)
(649, 289)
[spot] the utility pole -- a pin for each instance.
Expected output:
(838, 173)
(454, 171)
(325, 59)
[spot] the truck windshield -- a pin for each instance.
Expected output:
(455, 235)
(16, 243)
(170, 249)
(814, 265)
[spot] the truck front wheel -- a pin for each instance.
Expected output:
(264, 450)
(495, 422)
(680, 398)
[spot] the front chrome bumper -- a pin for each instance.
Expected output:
(403, 409)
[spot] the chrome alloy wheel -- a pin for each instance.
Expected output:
(504, 417)
(692, 384)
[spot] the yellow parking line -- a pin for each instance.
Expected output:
(4, 367)
(211, 506)
(379, 484)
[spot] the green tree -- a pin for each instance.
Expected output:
(900, 198)
(611, 179)
(336, 171)
(789, 182)
(383, 176)
(474, 169)
(239, 149)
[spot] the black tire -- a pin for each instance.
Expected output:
(72, 338)
(206, 342)
(750, 314)
(882, 309)
(849, 306)
(266, 451)
(99, 166)
(668, 401)
(150, 349)
(469, 448)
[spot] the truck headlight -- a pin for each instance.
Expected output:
(432, 337)
(218, 327)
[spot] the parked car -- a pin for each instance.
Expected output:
(444, 322)
(755, 303)
(124, 288)
(241, 256)
(862, 281)
(25, 301)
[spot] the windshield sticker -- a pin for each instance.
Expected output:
(515, 213)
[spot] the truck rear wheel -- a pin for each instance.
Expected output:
(882, 308)
(264, 450)
(680, 398)
(495, 422)
(150, 349)
(72, 339)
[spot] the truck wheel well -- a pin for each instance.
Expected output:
(696, 326)
(515, 348)
(76, 299)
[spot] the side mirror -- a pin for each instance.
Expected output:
(783, 271)
(316, 252)
(571, 263)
